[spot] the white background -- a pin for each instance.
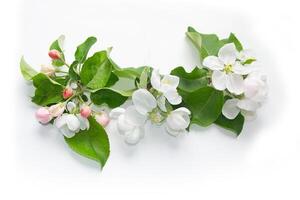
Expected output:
(263, 163)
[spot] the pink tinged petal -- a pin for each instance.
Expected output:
(173, 97)
(102, 119)
(134, 136)
(249, 115)
(248, 105)
(213, 63)
(43, 115)
(123, 125)
(235, 83)
(116, 112)
(57, 109)
(227, 54)
(143, 101)
(169, 82)
(219, 80)
(230, 109)
(134, 117)
(155, 79)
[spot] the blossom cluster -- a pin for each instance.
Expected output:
(83, 97)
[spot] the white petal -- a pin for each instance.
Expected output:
(235, 83)
(169, 82)
(227, 54)
(213, 63)
(66, 131)
(116, 112)
(178, 121)
(230, 109)
(182, 111)
(248, 104)
(219, 80)
(134, 136)
(249, 115)
(84, 122)
(73, 122)
(143, 101)
(61, 121)
(70, 106)
(173, 97)
(123, 125)
(161, 102)
(174, 133)
(134, 117)
(155, 79)
(238, 68)
(245, 55)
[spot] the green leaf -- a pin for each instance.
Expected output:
(27, 71)
(205, 104)
(92, 143)
(58, 45)
(112, 80)
(129, 72)
(83, 49)
(47, 91)
(96, 71)
(108, 96)
(234, 125)
(210, 43)
(232, 39)
(72, 72)
(192, 81)
(195, 37)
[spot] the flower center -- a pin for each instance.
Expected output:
(228, 69)
(155, 116)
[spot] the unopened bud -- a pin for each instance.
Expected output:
(67, 93)
(54, 54)
(85, 111)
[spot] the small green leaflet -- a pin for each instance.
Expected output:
(108, 96)
(47, 91)
(96, 71)
(92, 143)
(205, 104)
(83, 49)
(27, 71)
(192, 81)
(235, 125)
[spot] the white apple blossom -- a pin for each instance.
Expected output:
(131, 121)
(255, 92)
(227, 69)
(167, 86)
(48, 70)
(70, 124)
(177, 121)
(57, 109)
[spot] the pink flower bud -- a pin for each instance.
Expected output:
(67, 93)
(102, 119)
(43, 115)
(85, 111)
(54, 54)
